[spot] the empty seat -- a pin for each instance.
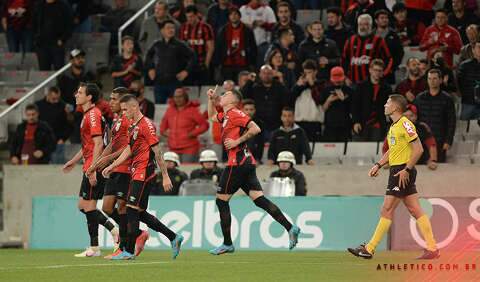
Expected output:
(305, 17)
(159, 112)
(198, 187)
(328, 153)
(15, 92)
(10, 61)
(13, 77)
(279, 187)
(193, 92)
(149, 93)
(465, 148)
(203, 98)
(96, 47)
(30, 61)
(360, 153)
(3, 43)
(37, 77)
(412, 51)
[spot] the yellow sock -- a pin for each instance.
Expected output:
(426, 230)
(382, 228)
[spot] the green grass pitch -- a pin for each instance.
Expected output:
(29, 265)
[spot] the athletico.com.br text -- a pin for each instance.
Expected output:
(426, 267)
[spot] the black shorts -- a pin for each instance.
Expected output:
(393, 187)
(238, 177)
(139, 192)
(87, 192)
(117, 185)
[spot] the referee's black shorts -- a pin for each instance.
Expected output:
(239, 177)
(394, 189)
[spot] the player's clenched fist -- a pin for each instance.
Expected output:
(167, 184)
(211, 93)
(374, 171)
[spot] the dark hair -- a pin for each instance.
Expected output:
(128, 37)
(161, 2)
(398, 7)
(121, 91)
(411, 59)
(435, 70)
(316, 22)
(288, 109)
(31, 107)
(441, 10)
(377, 62)
(237, 94)
(54, 89)
(248, 102)
(335, 10)
(165, 22)
(283, 4)
(401, 101)
(424, 61)
(309, 65)
(272, 54)
(284, 31)
(381, 12)
(91, 89)
(191, 9)
(127, 98)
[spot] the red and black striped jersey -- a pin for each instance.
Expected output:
(197, 37)
(359, 51)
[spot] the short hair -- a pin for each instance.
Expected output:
(248, 102)
(435, 70)
(411, 59)
(54, 89)
(316, 22)
(365, 17)
(128, 37)
(139, 82)
(288, 109)
(165, 22)
(309, 64)
(161, 2)
(31, 107)
(401, 101)
(335, 10)
(283, 4)
(191, 9)
(120, 91)
(424, 61)
(237, 94)
(284, 31)
(377, 62)
(381, 12)
(91, 89)
(441, 10)
(127, 98)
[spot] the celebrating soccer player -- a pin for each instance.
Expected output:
(144, 150)
(91, 131)
(240, 170)
(404, 151)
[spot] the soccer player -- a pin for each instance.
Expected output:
(240, 170)
(404, 151)
(91, 131)
(145, 152)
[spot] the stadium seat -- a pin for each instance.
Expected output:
(360, 153)
(193, 92)
(203, 98)
(412, 51)
(462, 148)
(279, 187)
(149, 94)
(36, 77)
(15, 92)
(328, 153)
(30, 61)
(10, 61)
(304, 17)
(3, 43)
(96, 47)
(159, 112)
(198, 187)
(13, 77)
(3, 126)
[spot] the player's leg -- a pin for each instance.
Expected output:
(88, 207)
(413, 205)
(123, 185)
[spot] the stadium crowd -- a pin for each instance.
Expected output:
(322, 82)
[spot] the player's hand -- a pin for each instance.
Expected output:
(230, 143)
(92, 178)
(403, 178)
(38, 154)
(101, 163)
(446, 147)
(374, 171)
(106, 172)
(152, 74)
(90, 170)
(167, 183)
(182, 75)
(211, 94)
(15, 160)
(68, 167)
(357, 127)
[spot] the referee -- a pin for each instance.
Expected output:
(404, 151)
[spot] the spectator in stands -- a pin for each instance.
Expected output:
(441, 36)
(286, 45)
(177, 176)
(357, 9)
(217, 14)
(82, 10)
(285, 21)
(182, 123)
(209, 170)
(244, 77)
(414, 84)
(356, 62)
(34, 141)
(473, 37)
(468, 78)
(147, 107)
(424, 67)
(200, 38)
(270, 97)
(257, 143)
(436, 108)
(17, 24)
(337, 30)
(336, 101)
(115, 18)
(52, 110)
(421, 10)
(409, 30)
(235, 47)
(261, 19)
(392, 40)
(281, 72)
(369, 121)
(448, 79)
(128, 66)
(51, 32)
(178, 11)
(286, 163)
(302, 4)
(320, 49)
(460, 18)
(289, 137)
(150, 30)
(169, 61)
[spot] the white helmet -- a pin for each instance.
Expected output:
(208, 156)
(286, 156)
(171, 156)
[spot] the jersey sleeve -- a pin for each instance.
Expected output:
(410, 131)
(239, 118)
(220, 116)
(150, 134)
(95, 120)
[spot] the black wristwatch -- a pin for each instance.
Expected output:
(379, 165)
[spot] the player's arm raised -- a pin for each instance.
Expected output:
(404, 174)
(212, 111)
(126, 153)
(252, 130)
(71, 163)
(167, 183)
(376, 167)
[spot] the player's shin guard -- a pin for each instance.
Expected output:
(225, 221)
(426, 230)
(133, 229)
(92, 224)
(155, 224)
(382, 228)
(273, 210)
(122, 224)
(103, 220)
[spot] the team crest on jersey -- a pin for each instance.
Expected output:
(135, 133)
(392, 140)
(408, 127)
(118, 124)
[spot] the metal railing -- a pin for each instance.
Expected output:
(130, 21)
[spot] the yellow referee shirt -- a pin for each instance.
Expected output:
(399, 136)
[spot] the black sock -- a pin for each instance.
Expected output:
(225, 221)
(273, 210)
(115, 216)
(83, 211)
(122, 224)
(92, 224)
(103, 220)
(133, 229)
(155, 224)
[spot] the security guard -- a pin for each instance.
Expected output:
(286, 161)
(209, 169)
